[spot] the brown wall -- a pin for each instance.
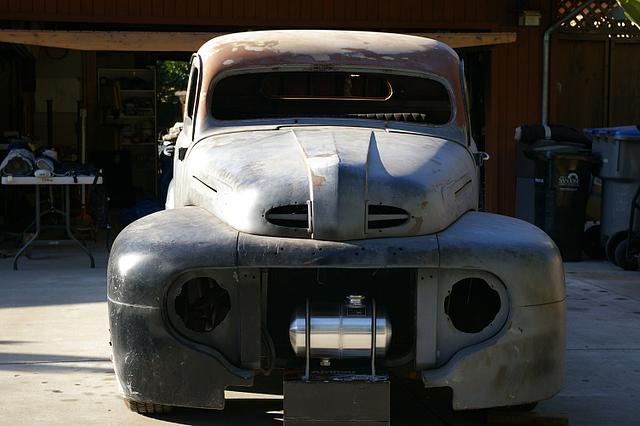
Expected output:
(514, 99)
(421, 14)
(513, 90)
(593, 80)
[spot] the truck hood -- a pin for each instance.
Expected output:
(331, 183)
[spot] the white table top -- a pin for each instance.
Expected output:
(53, 180)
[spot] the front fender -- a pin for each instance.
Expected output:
(170, 202)
(149, 253)
(151, 361)
(519, 254)
(525, 361)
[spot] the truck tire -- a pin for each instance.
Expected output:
(522, 408)
(628, 259)
(612, 244)
(591, 243)
(147, 407)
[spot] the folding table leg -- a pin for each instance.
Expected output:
(67, 215)
(35, 236)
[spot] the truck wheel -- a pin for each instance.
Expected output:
(147, 407)
(525, 407)
(591, 243)
(628, 259)
(522, 408)
(612, 245)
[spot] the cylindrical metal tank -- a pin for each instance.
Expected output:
(340, 330)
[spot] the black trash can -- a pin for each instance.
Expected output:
(562, 183)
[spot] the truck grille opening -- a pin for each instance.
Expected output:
(289, 288)
(472, 305)
(202, 304)
(292, 216)
(380, 217)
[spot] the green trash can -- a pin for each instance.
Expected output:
(562, 184)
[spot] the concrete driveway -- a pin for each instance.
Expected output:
(55, 367)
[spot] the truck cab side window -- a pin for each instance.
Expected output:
(193, 90)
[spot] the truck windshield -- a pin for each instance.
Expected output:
(331, 94)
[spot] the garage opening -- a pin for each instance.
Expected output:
(472, 305)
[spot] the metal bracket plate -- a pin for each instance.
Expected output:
(319, 403)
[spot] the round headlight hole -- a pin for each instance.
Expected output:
(202, 304)
(472, 305)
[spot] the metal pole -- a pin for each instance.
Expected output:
(545, 59)
(374, 331)
(307, 341)
(35, 236)
(83, 149)
(67, 215)
(49, 123)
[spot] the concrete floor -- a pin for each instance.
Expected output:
(55, 367)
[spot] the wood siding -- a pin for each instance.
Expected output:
(434, 14)
(514, 99)
(624, 82)
(593, 80)
(578, 81)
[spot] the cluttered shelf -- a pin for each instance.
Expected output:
(127, 105)
(127, 94)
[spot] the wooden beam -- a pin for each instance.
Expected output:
(145, 41)
(156, 41)
(457, 40)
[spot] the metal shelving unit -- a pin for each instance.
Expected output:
(127, 100)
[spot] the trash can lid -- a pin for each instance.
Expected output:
(627, 133)
(596, 130)
(558, 146)
(552, 149)
(591, 131)
(596, 134)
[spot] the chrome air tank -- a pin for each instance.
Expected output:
(340, 330)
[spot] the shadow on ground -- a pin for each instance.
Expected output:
(411, 404)
(54, 276)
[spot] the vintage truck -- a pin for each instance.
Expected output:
(326, 184)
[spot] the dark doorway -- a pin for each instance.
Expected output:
(476, 63)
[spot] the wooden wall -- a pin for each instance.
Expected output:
(593, 80)
(434, 14)
(514, 99)
(515, 69)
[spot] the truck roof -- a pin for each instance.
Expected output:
(326, 50)
(329, 47)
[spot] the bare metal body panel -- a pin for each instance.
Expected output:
(329, 50)
(527, 348)
(238, 177)
(230, 175)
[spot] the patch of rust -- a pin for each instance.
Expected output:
(256, 46)
(415, 229)
(318, 180)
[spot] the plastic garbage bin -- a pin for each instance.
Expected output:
(562, 180)
(619, 149)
